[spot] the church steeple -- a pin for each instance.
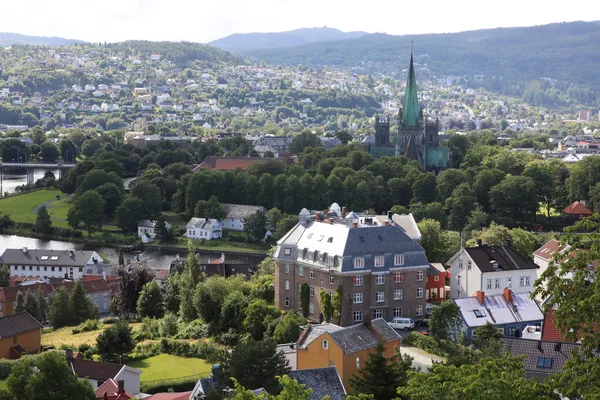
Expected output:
(410, 111)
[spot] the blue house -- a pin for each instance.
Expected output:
(509, 312)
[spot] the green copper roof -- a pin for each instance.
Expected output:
(410, 111)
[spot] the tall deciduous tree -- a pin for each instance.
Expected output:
(445, 322)
(151, 197)
(514, 201)
(210, 208)
(150, 302)
(4, 275)
(258, 316)
(439, 245)
(288, 329)
(43, 224)
(255, 226)
(90, 208)
(132, 281)
(129, 213)
(115, 341)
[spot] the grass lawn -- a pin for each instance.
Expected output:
(65, 336)
(20, 208)
(166, 366)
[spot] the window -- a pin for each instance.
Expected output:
(287, 302)
(398, 294)
(419, 310)
(398, 277)
(325, 344)
(311, 274)
(330, 261)
(312, 290)
(80, 269)
(311, 308)
(508, 282)
(356, 316)
(497, 283)
(399, 259)
(357, 362)
(379, 261)
(488, 284)
(419, 275)
(419, 293)
(357, 298)
(52, 269)
(436, 278)
(287, 268)
(14, 339)
(44, 258)
(460, 265)
(301, 270)
(321, 284)
(524, 281)
(331, 279)
(379, 279)
(478, 313)
(379, 297)
(358, 280)
(287, 251)
(359, 262)
(377, 313)
(469, 264)
(397, 312)
(544, 362)
(287, 285)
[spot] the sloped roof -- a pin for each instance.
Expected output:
(17, 324)
(549, 330)
(228, 163)
(241, 211)
(10, 293)
(576, 208)
(499, 258)
(94, 369)
(75, 258)
(497, 311)
(111, 388)
(323, 382)
(201, 223)
(547, 251)
(170, 396)
(90, 286)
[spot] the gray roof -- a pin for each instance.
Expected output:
(406, 222)
(352, 338)
(201, 223)
(346, 243)
(146, 223)
(17, 324)
(24, 256)
(497, 311)
(559, 352)
(499, 258)
(323, 382)
(241, 211)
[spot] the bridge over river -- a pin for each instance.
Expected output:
(31, 167)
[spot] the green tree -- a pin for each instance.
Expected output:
(267, 364)
(59, 314)
(304, 298)
(258, 316)
(43, 224)
(514, 201)
(459, 145)
(168, 325)
(19, 303)
(163, 233)
(544, 178)
(445, 322)
(273, 216)
(81, 306)
(42, 306)
(326, 306)
(302, 141)
(285, 224)
(49, 152)
(584, 174)
(126, 294)
(210, 208)
(31, 305)
(73, 218)
(112, 197)
(336, 303)
(115, 341)
(492, 378)
(4, 275)
(424, 189)
(150, 302)
(47, 377)
(90, 208)
(460, 206)
(151, 197)
(288, 329)
(129, 213)
(439, 245)
(255, 226)
(594, 197)
(448, 181)
(488, 340)
(381, 376)
(171, 295)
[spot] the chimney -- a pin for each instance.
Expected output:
(390, 215)
(105, 395)
(318, 216)
(367, 321)
(480, 296)
(69, 354)
(582, 202)
(121, 384)
(509, 242)
(386, 223)
(478, 242)
(344, 212)
(355, 224)
(508, 295)
(25, 250)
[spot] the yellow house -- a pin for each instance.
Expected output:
(19, 334)
(324, 345)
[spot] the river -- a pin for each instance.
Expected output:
(11, 181)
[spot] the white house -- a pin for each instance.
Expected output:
(98, 372)
(202, 228)
(90, 88)
(237, 213)
(146, 230)
(545, 255)
(490, 269)
(71, 264)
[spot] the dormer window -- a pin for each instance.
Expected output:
(399, 259)
(359, 262)
(305, 254)
(287, 251)
(379, 261)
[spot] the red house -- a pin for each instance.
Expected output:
(578, 210)
(438, 283)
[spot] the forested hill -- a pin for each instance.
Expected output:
(9, 39)
(508, 58)
(240, 42)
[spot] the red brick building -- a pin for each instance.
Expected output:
(438, 283)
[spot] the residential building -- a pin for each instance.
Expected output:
(490, 269)
(323, 382)
(113, 390)
(381, 271)
(584, 115)
(202, 228)
(541, 358)
(509, 312)
(406, 222)
(69, 264)
(577, 210)
(19, 334)
(8, 295)
(346, 349)
(99, 372)
(438, 283)
(236, 215)
(146, 230)
(98, 290)
(545, 255)
(172, 396)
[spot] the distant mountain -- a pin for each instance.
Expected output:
(9, 39)
(506, 60)
(240, 42)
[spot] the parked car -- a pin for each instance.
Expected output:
(402, 323)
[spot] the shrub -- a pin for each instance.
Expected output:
(168, 326)
(424, 342)
(169, 385)
(109, 320)
(150, 329)
(87, 326)
(196, 329)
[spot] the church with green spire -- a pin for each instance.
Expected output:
(418, 137)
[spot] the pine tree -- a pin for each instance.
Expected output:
(43, 224)
(20, 303)
(81, 306)
(43, 306)
(59, 314)
(4, 275)
(380, 376)
(31, 305)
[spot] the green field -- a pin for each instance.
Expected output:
(166, 366)
(20, 208)
(64, 336)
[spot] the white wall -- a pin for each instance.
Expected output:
(470, 279)
(515, 284)
(130, 378)
(232, 224)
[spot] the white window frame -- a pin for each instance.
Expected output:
(331, 279)
(420, 275)
(287, 268)
(379, 297)
(380, 279)
(397, 312)
(398, 294)
(525, 281)
(311, 308)
(287, 285)
(301, 270)
(311, 290)
(359, 262)
(357, 316)
(508, 282)
(357, 298)
(496, 283)
(287, 251)
(436, 278)
(419, 293)
(311, 274)
(360, 278)
(399, 259)
(325, 344)
(488, 284)
(379, 261)
(287, 302)
(419, 310)
(399, 275)
(377, 313)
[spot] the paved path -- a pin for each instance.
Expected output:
(47, 203)
(422, 359)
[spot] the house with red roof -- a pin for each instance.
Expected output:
(578, 210)
(113, 390)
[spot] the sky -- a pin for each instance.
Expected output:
(206, 20)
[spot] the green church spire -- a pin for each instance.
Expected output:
(410, 111)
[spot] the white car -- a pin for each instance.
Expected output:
(402, 323)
